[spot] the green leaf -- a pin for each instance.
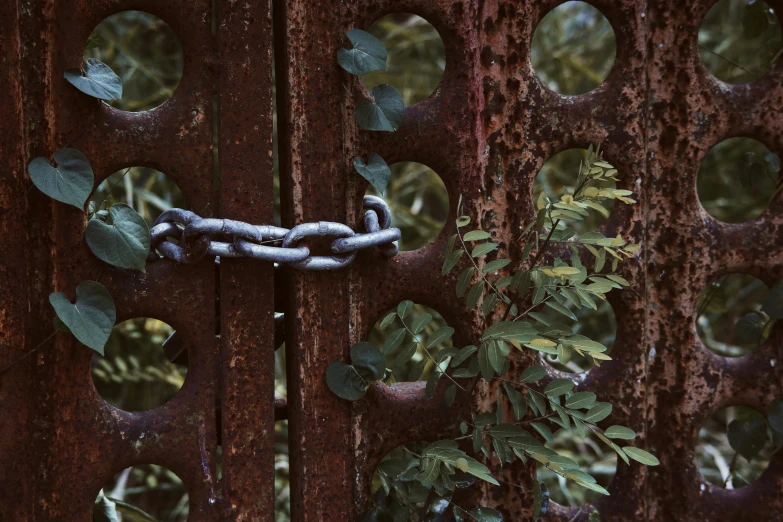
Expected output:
(99, 81)
(476, 235)
(639, 455)
(403, 308)
(536, 401)
(497, 352)
(544, 430)
(532, 374)
(60, 326)
(464, 280)
(406, 354)
(394, 341)
(420, 322)
(519, 331)
(479, 470)
(773, 302)
(389, 319)
(598, 412)
(561, 309)
(104, 510)
(69, 182)
(385, 114)
(474, 294)
(451, 394)
(463, 221)
(483, 249)
(620, 432)
(91, 318)
(450, 261)
(775, 415)
(517, 400)
(580, 400)
(538, 500)
(497, 264)
(439, 336)
(368, 54)
(365, 356)
(559, 387)
(124, 243)
(345, 382)
(464, 353)
(489, 304)
(747, 436)
(487, 371)
(485, 514)
(376, 171)
(430, 469)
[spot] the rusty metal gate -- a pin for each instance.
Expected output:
(487, 130)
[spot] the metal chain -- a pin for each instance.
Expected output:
(197, 237)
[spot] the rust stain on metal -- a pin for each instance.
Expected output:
(486, 131)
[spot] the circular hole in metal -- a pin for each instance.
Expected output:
(144, 492)
(737, 178)
(599, 325)
(419, 203)
(739, 40)
(593, 457)
(146, 190)
(410, 361)
(137, 372)
(729, 318)
(573, 48)
(144, 52)
(396, 492)
(734, 447)
(416, 56)
(558, 177)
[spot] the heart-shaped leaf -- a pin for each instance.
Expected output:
(70, 181)
(366, 357)
(368, 54)
(99, 81)
(345, 382)
(747, 436)
(376, 171)
(91, 318)
(125, 242)
(385, 114)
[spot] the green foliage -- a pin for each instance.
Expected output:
(510, 300)
(376, 171)
(69, 182)
(350, 381)
(91, 317)
(368, 54)
(383, 113)
(98, 81)
(104, 510)
(121, 239)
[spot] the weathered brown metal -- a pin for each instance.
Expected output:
(487, 130)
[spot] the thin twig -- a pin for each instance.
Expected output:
(22, 358)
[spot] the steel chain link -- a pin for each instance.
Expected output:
(197, 237)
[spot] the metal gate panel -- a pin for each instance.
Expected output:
(486, 131)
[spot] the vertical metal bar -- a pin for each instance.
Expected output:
(313, 189)
(244, 36)
(16, 496)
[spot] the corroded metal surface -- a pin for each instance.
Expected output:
(486, 131)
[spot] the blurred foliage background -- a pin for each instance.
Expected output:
(572, 52)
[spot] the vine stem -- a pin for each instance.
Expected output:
(429, 354)
(28, 354)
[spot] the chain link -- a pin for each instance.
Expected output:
(185, 237)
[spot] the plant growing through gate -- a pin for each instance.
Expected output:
(420, 485)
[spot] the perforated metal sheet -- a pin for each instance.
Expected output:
(486, 131)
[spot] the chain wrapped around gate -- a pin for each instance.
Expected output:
(198, 237)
